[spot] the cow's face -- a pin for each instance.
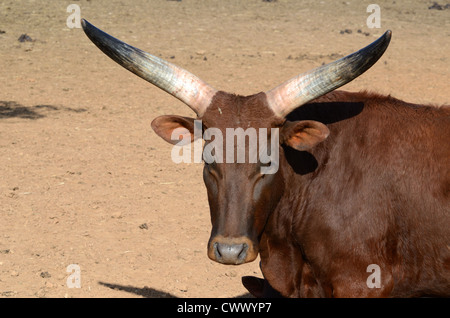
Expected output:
(242, 192)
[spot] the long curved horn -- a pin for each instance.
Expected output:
(174, 80)
(307, 86)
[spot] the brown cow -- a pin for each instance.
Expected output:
(360, 203)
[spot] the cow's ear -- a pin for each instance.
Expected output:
(303, 135)
(176, 130)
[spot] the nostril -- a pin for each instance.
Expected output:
(243, 252)
(216, 250)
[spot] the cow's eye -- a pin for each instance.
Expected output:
(263, 165)
(212, 170)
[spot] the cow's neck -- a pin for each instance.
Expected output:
(279, 251)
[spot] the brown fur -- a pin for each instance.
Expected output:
(375, 191)
(377, 194)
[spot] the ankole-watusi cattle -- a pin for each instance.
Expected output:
(360, 203)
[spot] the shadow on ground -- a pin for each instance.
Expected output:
(149, 292)
(12, 109)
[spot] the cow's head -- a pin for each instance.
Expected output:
(241, 195)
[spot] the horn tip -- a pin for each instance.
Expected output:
(388, 34)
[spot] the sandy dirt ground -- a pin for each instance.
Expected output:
(83, 178)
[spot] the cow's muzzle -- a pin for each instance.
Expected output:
(231, 250)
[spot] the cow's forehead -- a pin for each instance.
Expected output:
(232, 111)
